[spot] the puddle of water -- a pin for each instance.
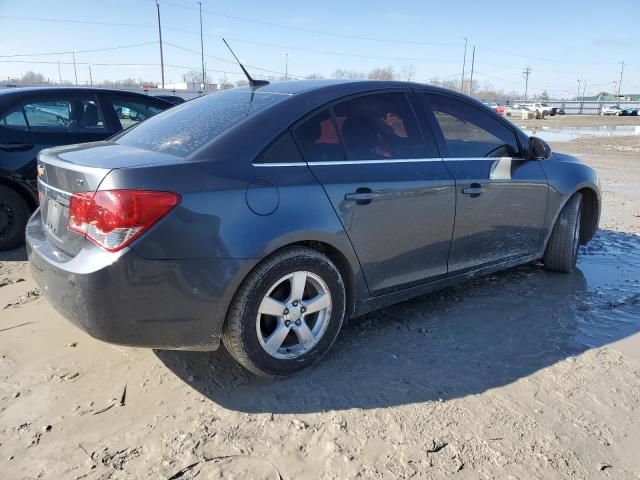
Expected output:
(565, 134)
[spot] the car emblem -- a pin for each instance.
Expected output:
(41, 170)
(79, 182)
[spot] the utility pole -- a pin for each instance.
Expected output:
(75, 71)
(526, 73)
(204, 76)
(464, 63)
(620, 84)
(286, 66)
(90, 76)
(473, 61)
(59, 73)
(584, 87)
(160, 35)
(578, 95)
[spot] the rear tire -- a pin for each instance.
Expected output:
(277, 344)
(562, 249)
(14, 214)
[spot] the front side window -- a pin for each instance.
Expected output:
(468, 131)
(77, 113)
(378, 127)
(132, 111)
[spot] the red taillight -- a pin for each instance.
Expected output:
(112, 219)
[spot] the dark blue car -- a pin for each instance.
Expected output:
(266, 216)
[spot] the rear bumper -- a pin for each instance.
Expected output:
(125, 299)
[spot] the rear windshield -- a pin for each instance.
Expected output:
(183, 129)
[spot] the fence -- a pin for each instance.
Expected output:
(582, 108)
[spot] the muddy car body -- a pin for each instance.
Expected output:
(282, 210)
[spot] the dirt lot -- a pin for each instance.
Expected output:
(523, 374)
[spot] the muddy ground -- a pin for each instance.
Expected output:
(522, 374)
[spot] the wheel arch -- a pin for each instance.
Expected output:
(590, 213)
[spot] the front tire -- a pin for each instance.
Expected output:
(14, 214)
(562, 249)
(286, 314)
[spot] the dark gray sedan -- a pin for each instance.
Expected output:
(266, 216)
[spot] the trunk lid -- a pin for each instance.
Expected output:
(63, 171)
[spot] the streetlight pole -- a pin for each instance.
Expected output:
(204, 76)
(620, 84)
(464, 63)
(90, 76)
(59, 73)
(160, 35)
(473, 61)
(286, 66)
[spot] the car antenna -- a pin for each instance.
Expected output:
(252, 83)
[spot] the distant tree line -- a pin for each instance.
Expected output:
(484, 91)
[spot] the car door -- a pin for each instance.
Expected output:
(389, 187)
(128, 110)
(501, 196)
(46, 120)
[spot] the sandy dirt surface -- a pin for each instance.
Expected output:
(522, 374)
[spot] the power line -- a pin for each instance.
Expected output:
(310, 30)
(230, 61)
(78, 51)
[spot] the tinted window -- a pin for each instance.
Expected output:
(380, 126)
(131, 111)
(468, 131)
(14, 118)
(283, 150)
(318, 139)
(183, 129)
(77, 113)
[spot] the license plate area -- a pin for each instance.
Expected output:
(54, 213)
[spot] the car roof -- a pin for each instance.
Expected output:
(304, 86)
(8, 94)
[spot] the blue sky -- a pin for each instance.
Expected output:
(561, 41)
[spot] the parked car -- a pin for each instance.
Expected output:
(629, 112)
(541, 109)
(519, 111)
(498, 108)
(174, 99)
(35, 118)
(265, 216)
(611, 110)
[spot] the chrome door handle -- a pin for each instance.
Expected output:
(362, 196)
(474, 190)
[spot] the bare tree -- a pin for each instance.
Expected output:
(195, 76)
(347, 74)
(408, 72)
(33, 78)
(385, 73)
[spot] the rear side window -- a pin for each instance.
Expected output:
(76, 113)
(283, 150)
(132, 111)
(468, 131)
(183, 129)
(14, 118)
(378, 127)
(318, 138)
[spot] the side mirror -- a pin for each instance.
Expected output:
(538, 149)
